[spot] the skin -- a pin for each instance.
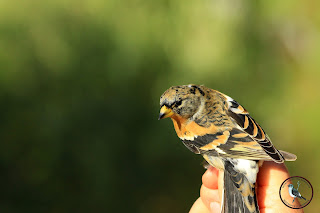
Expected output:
(270, 177)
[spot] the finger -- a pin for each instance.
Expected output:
(210, 178)
(199, 207)
(269, 180)
(215, 207)
(221, 185)
(209, 196)
(211, 190)
(270, 169)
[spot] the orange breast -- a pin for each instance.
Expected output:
(188, 129)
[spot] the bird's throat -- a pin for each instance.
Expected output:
(178, 123)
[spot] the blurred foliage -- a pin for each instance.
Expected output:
(80, 83)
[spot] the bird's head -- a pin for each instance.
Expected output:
(182, 101)
(290, 186)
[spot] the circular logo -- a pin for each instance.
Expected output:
(296, 192)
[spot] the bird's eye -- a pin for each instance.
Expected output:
(178, 103)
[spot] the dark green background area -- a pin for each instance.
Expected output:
(80, 84)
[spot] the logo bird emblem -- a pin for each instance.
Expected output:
(294, 192)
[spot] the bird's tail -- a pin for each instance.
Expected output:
(302, 197)
(239, 194)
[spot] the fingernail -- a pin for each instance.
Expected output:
(215, 207)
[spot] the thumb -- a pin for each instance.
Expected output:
(270, 177)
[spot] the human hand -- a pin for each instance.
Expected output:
(270, 177)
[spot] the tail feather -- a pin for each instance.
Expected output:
(239, 194)
(288, 156)
(302, 197)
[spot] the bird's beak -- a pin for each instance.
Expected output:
(165, 112)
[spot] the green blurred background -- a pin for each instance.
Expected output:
(80, 83)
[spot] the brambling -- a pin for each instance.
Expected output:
(214, 125)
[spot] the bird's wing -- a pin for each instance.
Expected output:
(246, 140)
(295, 192)
(250, 130)
(231, 144)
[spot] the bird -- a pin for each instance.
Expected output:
(294, 192)
(217, 127)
